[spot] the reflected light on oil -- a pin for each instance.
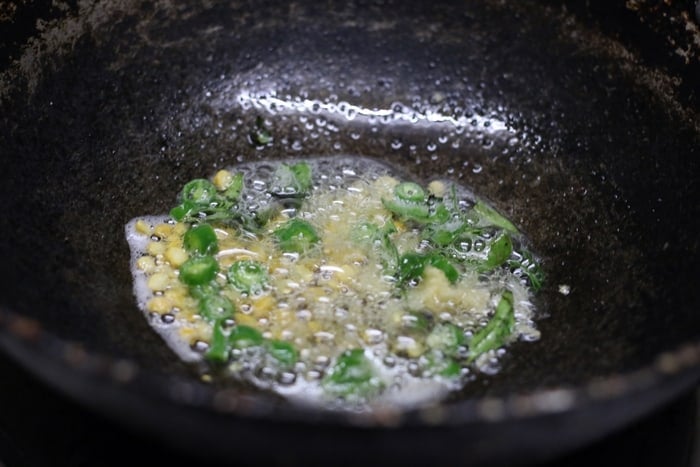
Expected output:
(396, 113)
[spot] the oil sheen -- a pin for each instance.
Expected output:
(337, 296)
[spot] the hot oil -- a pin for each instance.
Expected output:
(332, 298)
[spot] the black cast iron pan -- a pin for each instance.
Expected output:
(568, 121)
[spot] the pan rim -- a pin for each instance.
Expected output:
(24, 335)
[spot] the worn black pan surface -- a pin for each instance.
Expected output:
(587, 139)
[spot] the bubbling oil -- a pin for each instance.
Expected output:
(334, 297)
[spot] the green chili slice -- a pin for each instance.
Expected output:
(378, 241)
(243, 337)
(284, 352)
(448, 232)
(492, 217)
(438, 213)
(440, 364)
(499, 251)
(218, 350)
(205, 290)
(498, 329)
(199, 191)
(248, 276)
(417, 212)
(352, 374)
(450, 369)
(296, 236)
(201, 239)
(409, 191)
(260, 135)
(183, 211)
(216, 307)
(438, 261)
(198, 270)
(235, 188)
(531, 268)
(412, 265)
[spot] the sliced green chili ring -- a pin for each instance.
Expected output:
(198, 270)
(296, 236)
(243, 337)
(248, 276)
(202, 202)
(216, 307)
(199, 191)
(218, 350)
(498, 329)
(201, 239)
(410, 192)
(284, 352)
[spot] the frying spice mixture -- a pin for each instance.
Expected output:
(333, 281)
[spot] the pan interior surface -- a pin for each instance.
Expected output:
(534, 112)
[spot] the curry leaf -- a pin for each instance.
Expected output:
(490, 216)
